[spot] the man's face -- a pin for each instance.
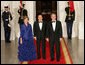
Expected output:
(40, 17)
(53, 16)
(6, 9)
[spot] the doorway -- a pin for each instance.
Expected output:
(46, 8)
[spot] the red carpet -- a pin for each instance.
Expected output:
(63, 60)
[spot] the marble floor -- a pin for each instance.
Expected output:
(76, 50)
(9, 51)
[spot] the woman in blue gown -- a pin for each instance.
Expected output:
(26, 47)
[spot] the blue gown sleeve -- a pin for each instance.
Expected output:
(31, 30)
(21, 31)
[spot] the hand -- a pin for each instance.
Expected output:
(71, 15)
(47, 39)
(60, 39)
(9, 25)
(35, 38)
(20, 40)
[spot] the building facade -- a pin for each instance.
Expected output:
(78, 26)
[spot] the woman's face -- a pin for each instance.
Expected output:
(26, 20)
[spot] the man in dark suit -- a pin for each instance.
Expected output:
(22, 12)
(5, 17)
(70, 17)
(54, 35)
(39, 35)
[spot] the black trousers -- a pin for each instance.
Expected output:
(43, 47)
(57, 45)
(7, 34)
(69, 28)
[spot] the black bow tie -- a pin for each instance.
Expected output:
(40, 22)
(53, 21)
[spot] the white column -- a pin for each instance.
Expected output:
(62, 15)
(81, 20)
(31, 8)
(12, 36)
(16, 18)
(57, 10)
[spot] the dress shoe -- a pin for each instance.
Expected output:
(52, 59)
(9, 41)
(70, 38)
(38, 57)
(44, 58)
(58, 60)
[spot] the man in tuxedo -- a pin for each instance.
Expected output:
(54, 35)
(39, 34)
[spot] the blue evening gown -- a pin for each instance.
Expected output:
(27, 50)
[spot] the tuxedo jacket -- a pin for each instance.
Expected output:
(36, 29)
(54, 34)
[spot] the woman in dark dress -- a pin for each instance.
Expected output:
(26, 47)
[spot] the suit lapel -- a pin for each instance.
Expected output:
(51, 26)
(56, 26)
(42, 25)
(38, 25)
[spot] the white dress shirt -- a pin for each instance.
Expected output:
(54, 25)
(40, 25)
